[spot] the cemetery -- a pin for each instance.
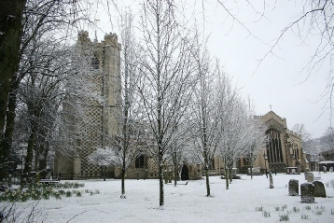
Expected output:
(292, 199)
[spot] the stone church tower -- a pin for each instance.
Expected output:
(100, 115)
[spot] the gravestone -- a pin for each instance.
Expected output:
(307, 192)
(293, 187)
(331, 169)
(255, 171)
(325, 169)
(310, 177)
(319, 189)
(306, 171)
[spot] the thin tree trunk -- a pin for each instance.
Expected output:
(226, 178)
(230, 175)
(176, 174)
(207, 181)
(123, 183)
(161, 183)
(251, 170)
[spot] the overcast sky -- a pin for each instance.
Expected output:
(279, 82)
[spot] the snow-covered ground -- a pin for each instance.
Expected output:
(188, 203)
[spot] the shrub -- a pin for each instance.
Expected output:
(295, 209)
(284, 217)
(68, 194)
(259, 209)
(307, 207)
(266, 214)
(305, 216)
(77, 193)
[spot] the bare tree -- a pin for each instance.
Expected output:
(166, 82)
(232, 124)
(254, 137)
(28, 20)
(129, 120)
(205, 111)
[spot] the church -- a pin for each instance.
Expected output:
(282, 151)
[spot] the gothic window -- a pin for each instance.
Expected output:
(95, 62)
(139, 163)
(274, 146)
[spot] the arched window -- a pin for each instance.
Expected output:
(139, 163)
(274, 146)
(95, 62)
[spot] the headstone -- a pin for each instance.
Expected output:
(293, 171)
(306, 171)
(293, 187)
(310, 177)
(325, 169)
(319, 189)
(255, 170)
(307, 192)
(331, 169)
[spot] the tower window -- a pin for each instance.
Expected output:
(95, 62)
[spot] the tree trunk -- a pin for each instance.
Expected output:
(6, 142)
(207, 181)
(43, 161)
(251, 170)
(30, 153)
(226, 178)
(230, 174)
(123, 183)
(10, 40)
(161, 182)
(176, 174)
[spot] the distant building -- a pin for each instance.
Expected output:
(283, 150)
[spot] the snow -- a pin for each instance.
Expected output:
(188, 203)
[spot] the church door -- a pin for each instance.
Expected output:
(184, 173)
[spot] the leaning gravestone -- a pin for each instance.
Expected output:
(319, 189)
(307, 192)
(293, 187)
(310, 177)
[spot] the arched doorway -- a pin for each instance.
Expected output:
(184, 173)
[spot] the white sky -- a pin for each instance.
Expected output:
(279, 81)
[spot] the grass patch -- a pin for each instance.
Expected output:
(41, 191)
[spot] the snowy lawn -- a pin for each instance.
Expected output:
(246, 201)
